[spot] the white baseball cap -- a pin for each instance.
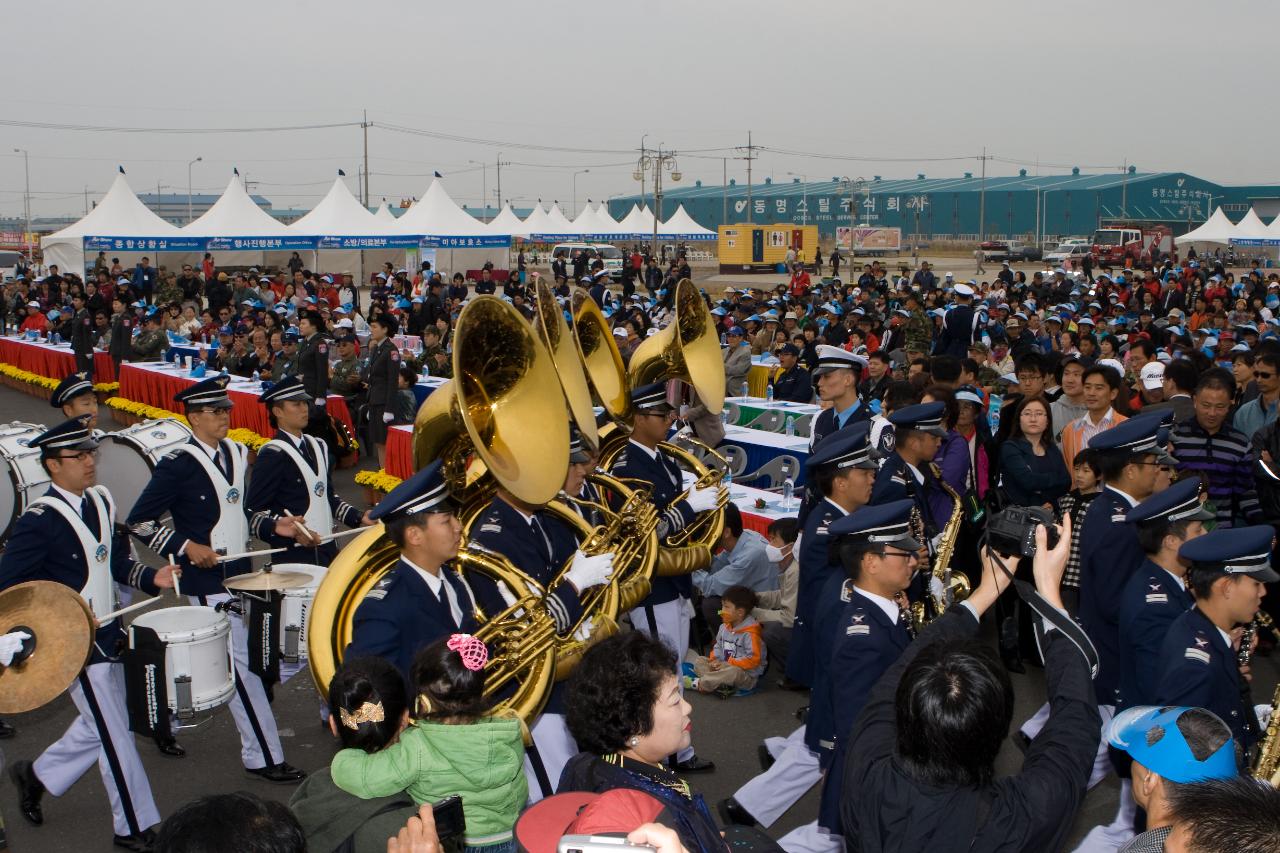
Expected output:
(1152, 375)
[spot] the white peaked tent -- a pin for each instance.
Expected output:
(634, 223)
(236, 215)
(438, 215)
(507, 224)
(538, 222)
(682, 226)
(589, 222)
(119, 214)
(338, 214)
(602, 213)
(560, 223)
(384, 213)
(1251, 227)
(1217, 230)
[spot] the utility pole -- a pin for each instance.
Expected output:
(500, 164)
(750, 156)
(643, 203)
(26, 200)
(1124, 190)
(982, 200)
(724, 192)
(86, 200)
(365, 125)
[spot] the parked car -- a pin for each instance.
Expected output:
(1013, 251)
(1064, 256)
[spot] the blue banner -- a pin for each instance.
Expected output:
(481, 241)
(251, 244)
(389, 242)
(1254, 241)
(144, 244)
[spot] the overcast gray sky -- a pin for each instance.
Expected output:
(1091, 83)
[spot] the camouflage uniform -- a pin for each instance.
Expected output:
(149, 345)
(919, 329)
(282, 366)
(433, 368)
(346, 377)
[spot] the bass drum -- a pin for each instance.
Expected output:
(27, 479)
(127, 458)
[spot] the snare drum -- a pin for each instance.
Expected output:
(27, 479)
(197, 656)
(127, 458)
(294, 609)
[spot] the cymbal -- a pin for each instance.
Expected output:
(61, 627)
(267, 581)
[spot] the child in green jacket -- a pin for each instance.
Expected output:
(450, 748)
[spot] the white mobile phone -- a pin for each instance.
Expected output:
(600, 844)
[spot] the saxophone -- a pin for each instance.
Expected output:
(946, 587)
(1267, 764)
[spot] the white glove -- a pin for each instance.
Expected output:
(586, 572)
(320, 401)
(1263, 712)
(388, 417)
(10, 645)
(701, 500)
(584, 632)
(681, 434)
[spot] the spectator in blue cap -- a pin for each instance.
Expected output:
(737, 361)
(1171, 748)
(792, 382)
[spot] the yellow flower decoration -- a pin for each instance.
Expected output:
(380, 480)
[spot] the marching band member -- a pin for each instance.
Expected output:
(1157, 593)
(862, 629)
(1198, 664)
(291, 478)
(836, 376)
(842, 471)
(666, 611)
(906, 472)
(419, 600)
(576, 485)
(538, 544)
(75, 397)
(202, 485)
(69, 536)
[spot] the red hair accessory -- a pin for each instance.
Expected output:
(471, 649)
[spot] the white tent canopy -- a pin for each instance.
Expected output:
(681, 225)
(560, 223)
(635, 223)
(236, 215)
(384, 213)
(438, 215)
(1217, 229)
(119, 214)
(339, 215)
(507, 224)
(590, 222)
(538, 222)
(1251, 227)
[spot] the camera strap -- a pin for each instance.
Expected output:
(1050, 615)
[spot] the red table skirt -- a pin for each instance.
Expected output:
(758, 523)
(400, 452)
(157, 389)
(54, 364)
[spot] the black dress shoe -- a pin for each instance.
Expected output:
(170, 747)
(732, 812)
(694, 764)
(765, 756)
(30, 790)
(791, 684)
(6, 730)
(139, 841)
(802, 713)
(282, 772)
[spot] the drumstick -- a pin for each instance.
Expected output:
(352, 532)
(244, 554)
(302, 525)
(177, 578)
(146, 602)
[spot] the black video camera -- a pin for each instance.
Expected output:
(1012, 531)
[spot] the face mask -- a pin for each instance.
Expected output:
(774, 555)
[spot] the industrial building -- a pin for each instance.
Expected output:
(1033, 208)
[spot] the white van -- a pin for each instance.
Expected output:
(611, 255)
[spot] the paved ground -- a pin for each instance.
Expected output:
(725, 731)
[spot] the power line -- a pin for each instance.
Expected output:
(95, 128)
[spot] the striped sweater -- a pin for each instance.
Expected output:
(1224, 463)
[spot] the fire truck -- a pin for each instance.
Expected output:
(1113, 242)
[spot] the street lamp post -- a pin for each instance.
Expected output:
(575, 189)
(189, 165)
(657, 160)
(854, 186)
(26, 201)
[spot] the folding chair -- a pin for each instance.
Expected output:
(769, 421)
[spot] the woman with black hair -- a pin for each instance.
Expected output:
(625, 709)
(367, 711)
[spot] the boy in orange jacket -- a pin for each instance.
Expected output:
(738, 655)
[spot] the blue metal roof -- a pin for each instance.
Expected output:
(197, 198)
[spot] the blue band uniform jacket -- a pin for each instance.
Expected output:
(1198, 668)
(1109, 555)
(815, 571)
(401, 615)
(44, 547)
(180, 486)
(1151, 601)
(863, 643)
(673, 514)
